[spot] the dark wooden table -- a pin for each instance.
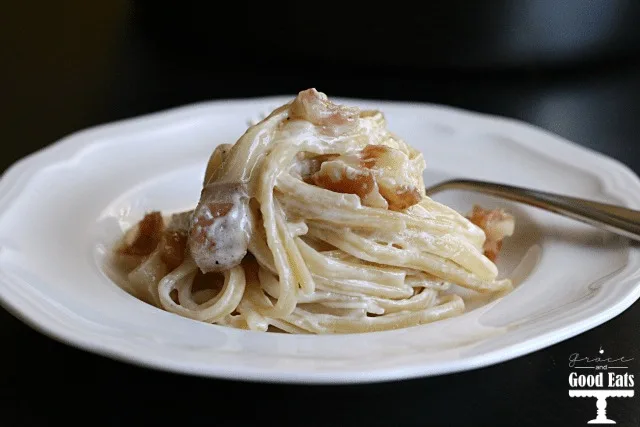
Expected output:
(68, 68)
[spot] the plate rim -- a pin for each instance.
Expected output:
(18, 174)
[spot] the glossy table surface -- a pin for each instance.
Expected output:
(95, 69)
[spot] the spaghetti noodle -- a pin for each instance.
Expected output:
(315, 221)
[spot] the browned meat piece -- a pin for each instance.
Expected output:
(496, 224)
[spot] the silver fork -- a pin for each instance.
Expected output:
(616, 219)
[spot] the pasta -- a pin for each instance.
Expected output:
(315, 221)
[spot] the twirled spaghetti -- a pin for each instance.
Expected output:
(315, 221)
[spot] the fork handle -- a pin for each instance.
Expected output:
(617, 219)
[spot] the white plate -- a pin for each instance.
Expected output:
(59, 207)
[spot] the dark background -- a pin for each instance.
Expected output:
(572, 67)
